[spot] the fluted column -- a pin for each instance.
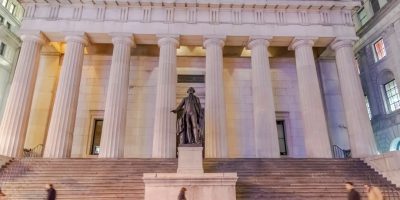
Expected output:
(62, 122)
(215, 119)
(362, 140)
(164, 137)
(18, 106)
(314, 122)
(265, 131)
(112, 138)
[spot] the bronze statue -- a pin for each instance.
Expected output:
(189, 118)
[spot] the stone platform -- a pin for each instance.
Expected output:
(190, 174)
(206, 186)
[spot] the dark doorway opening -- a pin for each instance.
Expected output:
(97, 128)
(282, 137)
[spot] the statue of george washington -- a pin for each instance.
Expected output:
(189, 118)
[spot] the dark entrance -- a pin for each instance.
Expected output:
(282, 137)
(97, 128)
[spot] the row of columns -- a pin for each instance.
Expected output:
(59, 140)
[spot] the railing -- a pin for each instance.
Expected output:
(340, 153)
(19, 165)
(35, 152)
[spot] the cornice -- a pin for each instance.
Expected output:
(201, 11)
(212, 3)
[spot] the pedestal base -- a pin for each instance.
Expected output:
(205, 186)
(190, 159)
(199, 185)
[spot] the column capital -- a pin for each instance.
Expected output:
(214, 39)
(342, 42)
(77, 37)
(168, 40)
(302, 41)
(123, 38)
(258, 40)
(36, 36)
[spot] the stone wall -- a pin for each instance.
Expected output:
(387, 164)
(43, 97)
(143, 79)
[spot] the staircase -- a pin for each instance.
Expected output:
(265, 179)
(297, 179)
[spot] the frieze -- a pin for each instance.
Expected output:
(269, 12)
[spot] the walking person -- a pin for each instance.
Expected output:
(352, 193)
(2, 195)
(51, 192)
(181, 195)
(373, 192)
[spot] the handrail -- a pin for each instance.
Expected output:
(34, 152)
(340, 153)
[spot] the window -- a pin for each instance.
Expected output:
(12, 8)
(1, 19)
(282, 137)
(4, 3)
(98, 126)
(375, 5)
(392, 95)
(368, 107)
(380, 51)
(395, 145)
(8, 25)
(362, 16)
(2, 49)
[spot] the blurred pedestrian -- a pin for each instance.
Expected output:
(352, 193)
(182, 194)
(2, 195)
(373, 192)
(51, 192)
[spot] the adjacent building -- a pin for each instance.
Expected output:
(377, 54)
(11, 13)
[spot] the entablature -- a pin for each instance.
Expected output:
(281, 19)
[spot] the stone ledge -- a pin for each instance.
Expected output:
(206, 179)
(206, 186)
(387, 164)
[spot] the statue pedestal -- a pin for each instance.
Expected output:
(199, 185)
(190, 159)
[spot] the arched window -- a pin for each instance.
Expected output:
(395, 145)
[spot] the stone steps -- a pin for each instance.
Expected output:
(122, 178)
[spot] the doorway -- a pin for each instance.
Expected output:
(282, 137)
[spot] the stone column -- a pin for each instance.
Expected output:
(215, 120)
(18, 106)
(112, 138)
(362, 140)
(62, 122)
(164, 137)
(265, 131)
(312, 110)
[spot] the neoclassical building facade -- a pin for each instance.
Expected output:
(99, 78)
